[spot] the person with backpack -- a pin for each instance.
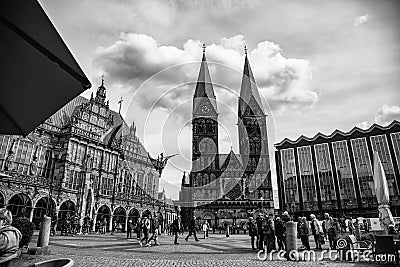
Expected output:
(146, 224)
(252, 231)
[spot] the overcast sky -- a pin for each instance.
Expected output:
(320, 65)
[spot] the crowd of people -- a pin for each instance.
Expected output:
(266, 232)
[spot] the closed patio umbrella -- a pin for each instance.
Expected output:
(382, 193)
(38, 73)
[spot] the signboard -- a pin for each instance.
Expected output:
(375, 224)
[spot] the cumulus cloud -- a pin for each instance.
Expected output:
(384, 116)
(139, 61)
(387, 114)
(361, 20)
(364, 125)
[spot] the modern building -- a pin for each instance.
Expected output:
(84, 159)
(334, 173)
(227, 188)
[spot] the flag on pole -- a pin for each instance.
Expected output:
(108, 137)
(382, 193)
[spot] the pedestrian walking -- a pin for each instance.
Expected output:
(138, 229)
(316, 231)
(366, 226)
(129, 228)
(192, 229)
(252, 231)
(260, 232)
(357, 230)
(335, 231)
(269, 233)
(280, 232)
(177, 228)
(114, 227)
(104, 226)
(145, 228)
(350, 225)
(227, 230)
(205, 229)
(331, 232)
(53, 225)
(154, 227)
(304, 233)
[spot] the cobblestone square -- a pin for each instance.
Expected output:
(116, 250)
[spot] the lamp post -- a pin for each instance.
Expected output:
(159, 165)
(165, 213)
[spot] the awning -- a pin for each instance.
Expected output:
(38, 73)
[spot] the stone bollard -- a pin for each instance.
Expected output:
(291, 240)
(44, 234)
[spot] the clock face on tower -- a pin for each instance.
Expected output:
(205, 109)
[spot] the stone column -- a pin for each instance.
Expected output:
(291, 238)
(126, 223)
(31, 214)
(110, 225)
(94, 222)
(44, 234)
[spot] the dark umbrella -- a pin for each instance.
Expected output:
(38, 73)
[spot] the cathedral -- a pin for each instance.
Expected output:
(84, 159)
(227, 188)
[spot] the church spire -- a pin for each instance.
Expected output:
(248, 91)
(204, 101)
(204, 86)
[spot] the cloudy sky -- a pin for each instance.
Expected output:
(320, 65)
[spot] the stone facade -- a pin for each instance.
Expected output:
(84, 159)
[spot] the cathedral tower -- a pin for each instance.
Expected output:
(253, 141)
(204, 129)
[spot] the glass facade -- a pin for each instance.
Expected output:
(338, 177)
(396, 146)
(325, 175)
(291, 192)
(307, 178)
(379, 143)
(364, 173)
(344, 174)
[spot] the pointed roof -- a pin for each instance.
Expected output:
(204, 86)
(204, 89)
(249, 94)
